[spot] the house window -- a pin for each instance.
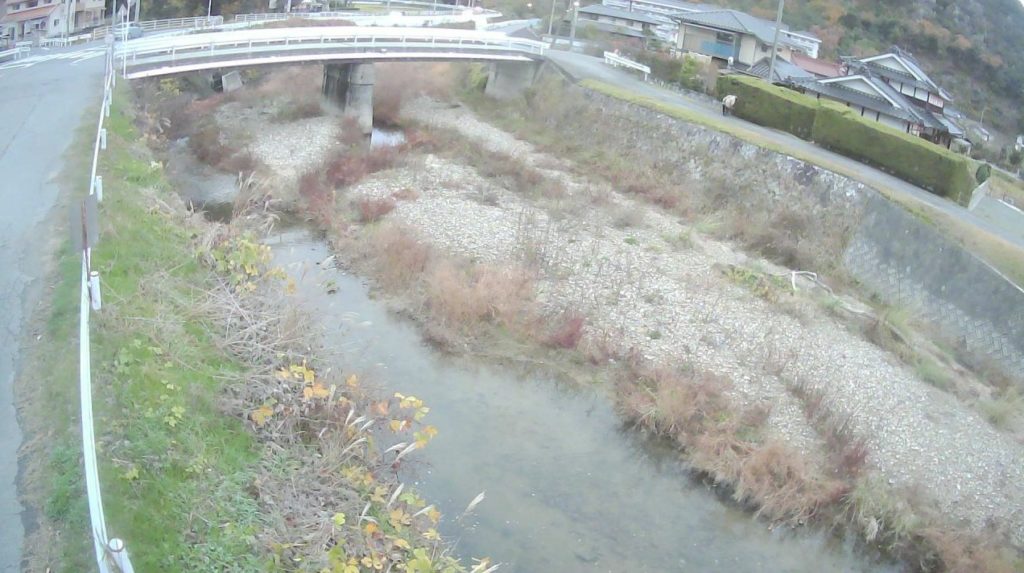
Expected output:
(724, 37)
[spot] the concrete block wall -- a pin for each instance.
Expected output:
(908, 262)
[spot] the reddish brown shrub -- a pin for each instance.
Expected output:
(205, 144)
(206, 106)
(568, 333)
(372, 209)
(776, 479)
(319, 198)
(405, 194)
(851, 457)
(351, 167)
(241, 162)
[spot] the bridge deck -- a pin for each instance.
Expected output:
(172, 55)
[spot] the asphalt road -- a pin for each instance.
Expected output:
(588, 67)
(42, 98)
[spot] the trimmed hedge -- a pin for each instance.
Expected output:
(834, 126)
(908, 157)
(772, 106)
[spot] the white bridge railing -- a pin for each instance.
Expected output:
(351, 15)
(613, 59)
(178, 54)
(199, 23)
(394, 18)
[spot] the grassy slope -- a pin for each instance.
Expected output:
(1002, 255)
(174, 468)
(180, 472)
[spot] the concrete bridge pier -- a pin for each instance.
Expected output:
(349, 88)
(509, 79)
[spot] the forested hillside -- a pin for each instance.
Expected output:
(974, 48)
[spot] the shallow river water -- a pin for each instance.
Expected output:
(568, 487)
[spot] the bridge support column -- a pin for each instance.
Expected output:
(509, 79)
(349, 88)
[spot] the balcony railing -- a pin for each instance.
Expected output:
(718, 50)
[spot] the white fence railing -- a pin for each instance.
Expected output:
(111, 553)
(197, 23)
(393, 18)
(161, 56)
(615, 60)
(65, 40)
(352, 16)
(14, 54)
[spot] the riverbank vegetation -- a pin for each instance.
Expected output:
(468, 301)
(225, 445)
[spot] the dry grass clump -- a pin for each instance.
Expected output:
(298, 109)
(399, 82)
(887, 520)
(780, 482)
(397, 254)
(208, 146)
(461, 297)
(511, 172)
(293, 92)
(724, 440)
(848, 452)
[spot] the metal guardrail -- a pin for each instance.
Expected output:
(352, 16)
(162, 56)
(613, 59)
(395, 18)
(111, 553)
(65, 40)
(13, 54)
(199, 23)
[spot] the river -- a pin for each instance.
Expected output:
(568, 487)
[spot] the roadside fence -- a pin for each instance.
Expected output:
(197, 23)
(617, 61)
(14, 53)
(111, 553)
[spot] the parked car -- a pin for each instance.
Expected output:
(133, 30)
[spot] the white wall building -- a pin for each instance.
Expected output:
(31, 19)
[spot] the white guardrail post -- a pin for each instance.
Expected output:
(111, 554)
(615, 60)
